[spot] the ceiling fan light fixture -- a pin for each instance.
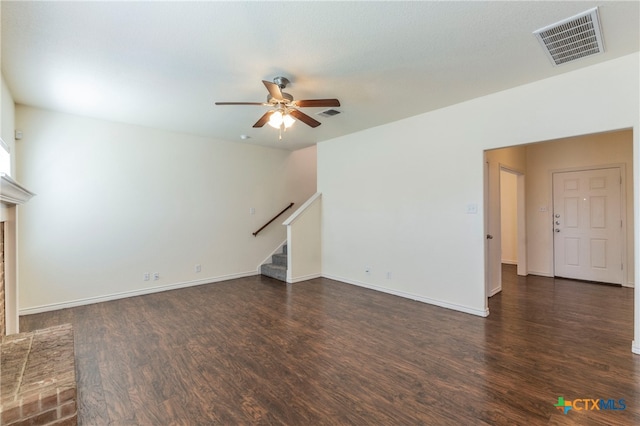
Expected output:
(277, 119)
(288, 121)
(285, 110)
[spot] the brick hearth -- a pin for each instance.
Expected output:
(37, 379)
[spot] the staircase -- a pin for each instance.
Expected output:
(278, 267)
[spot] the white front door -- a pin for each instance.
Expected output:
(588, 225)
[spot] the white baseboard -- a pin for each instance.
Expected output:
(440, 303)
(545, 274)
(509, 262)
(303, 278)
(542, 274)
(495, 291)
(635, 347)
(132, 293)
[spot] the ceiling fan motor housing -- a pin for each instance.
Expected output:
(287, 99)
(282, 82)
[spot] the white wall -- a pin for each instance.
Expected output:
(395, 197)
(7, 121)
(114, 201)
(509, 217)
(304, 250)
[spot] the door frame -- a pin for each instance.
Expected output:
(623, 212)
(493, 268)
(487, 222)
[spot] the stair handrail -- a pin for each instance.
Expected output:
(255, 234)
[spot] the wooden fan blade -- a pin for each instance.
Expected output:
(318, 103)
(274, 90)
(264, 119)
(241, 103)
(304, 118)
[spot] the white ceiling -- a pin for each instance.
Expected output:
(163, 64)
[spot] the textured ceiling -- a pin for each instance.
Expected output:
(164, 64)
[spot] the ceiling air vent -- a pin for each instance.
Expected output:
(572, 38)
(329, 113)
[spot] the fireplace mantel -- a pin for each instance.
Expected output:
(11, 192)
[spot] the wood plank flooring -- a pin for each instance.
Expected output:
(321, 352)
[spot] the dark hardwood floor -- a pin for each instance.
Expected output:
(256, 351)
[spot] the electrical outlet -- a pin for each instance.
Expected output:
(146, 276)
(367, 270)
(156, 276)
(388, 275)
(198, 268)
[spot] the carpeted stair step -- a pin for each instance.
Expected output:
(279, 259)
(278, 272)
(278, 267)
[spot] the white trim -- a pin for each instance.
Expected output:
(427, 300)
(541, 274)
(268, 258)
(509, 262)
(635, 347)
(132, 293)
(11, 192)
(301, 209)
(630, 284)
(4, 145)
(495, 291)
(486, 200)
(303, 278)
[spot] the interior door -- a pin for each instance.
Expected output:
(588, 225)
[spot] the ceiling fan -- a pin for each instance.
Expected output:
(285, 109)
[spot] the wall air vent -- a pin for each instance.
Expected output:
(329, 113)
(572, 38)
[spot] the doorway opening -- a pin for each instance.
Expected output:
(512, 219)
(506, 243)
(538, 162)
